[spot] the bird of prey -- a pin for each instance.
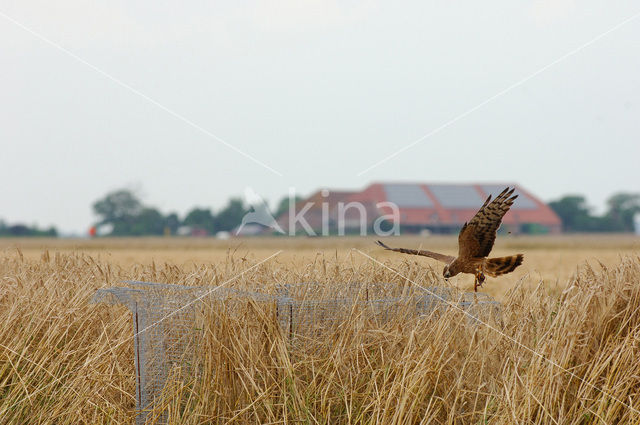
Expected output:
(475, 242)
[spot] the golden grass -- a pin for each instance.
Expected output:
(564, 354)
(550, 260)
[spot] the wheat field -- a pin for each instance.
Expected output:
(564, 351)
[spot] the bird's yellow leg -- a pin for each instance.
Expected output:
(480, 278)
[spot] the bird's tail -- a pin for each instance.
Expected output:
(502, 265)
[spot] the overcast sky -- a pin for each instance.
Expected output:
(161, 97)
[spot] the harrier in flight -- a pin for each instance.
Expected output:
(475, 242)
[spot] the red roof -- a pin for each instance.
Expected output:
(423, 205)
(443, 208)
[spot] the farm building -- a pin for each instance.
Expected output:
(436, 207)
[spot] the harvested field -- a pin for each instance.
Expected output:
(565, 350)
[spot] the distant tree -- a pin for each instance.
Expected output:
(122, 227)
(117, 207)
(283, 205)
(128, 216)
(148, 222)
(622, 207)
(574, 213)
(19, 230)
(201, 218)
(172, 222)
(231, 215)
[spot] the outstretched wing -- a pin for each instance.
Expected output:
(440, 257)
(478, 236)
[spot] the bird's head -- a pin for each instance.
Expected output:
(449, 271)
(446, 272)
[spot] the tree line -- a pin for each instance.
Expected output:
(22, 230)
(577, 215)
(126, 215)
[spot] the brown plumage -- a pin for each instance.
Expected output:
(475, 242)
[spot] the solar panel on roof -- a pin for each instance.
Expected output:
(407, 196)
(456, 196)
(522, 203)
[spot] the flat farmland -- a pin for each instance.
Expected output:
(550, 261)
